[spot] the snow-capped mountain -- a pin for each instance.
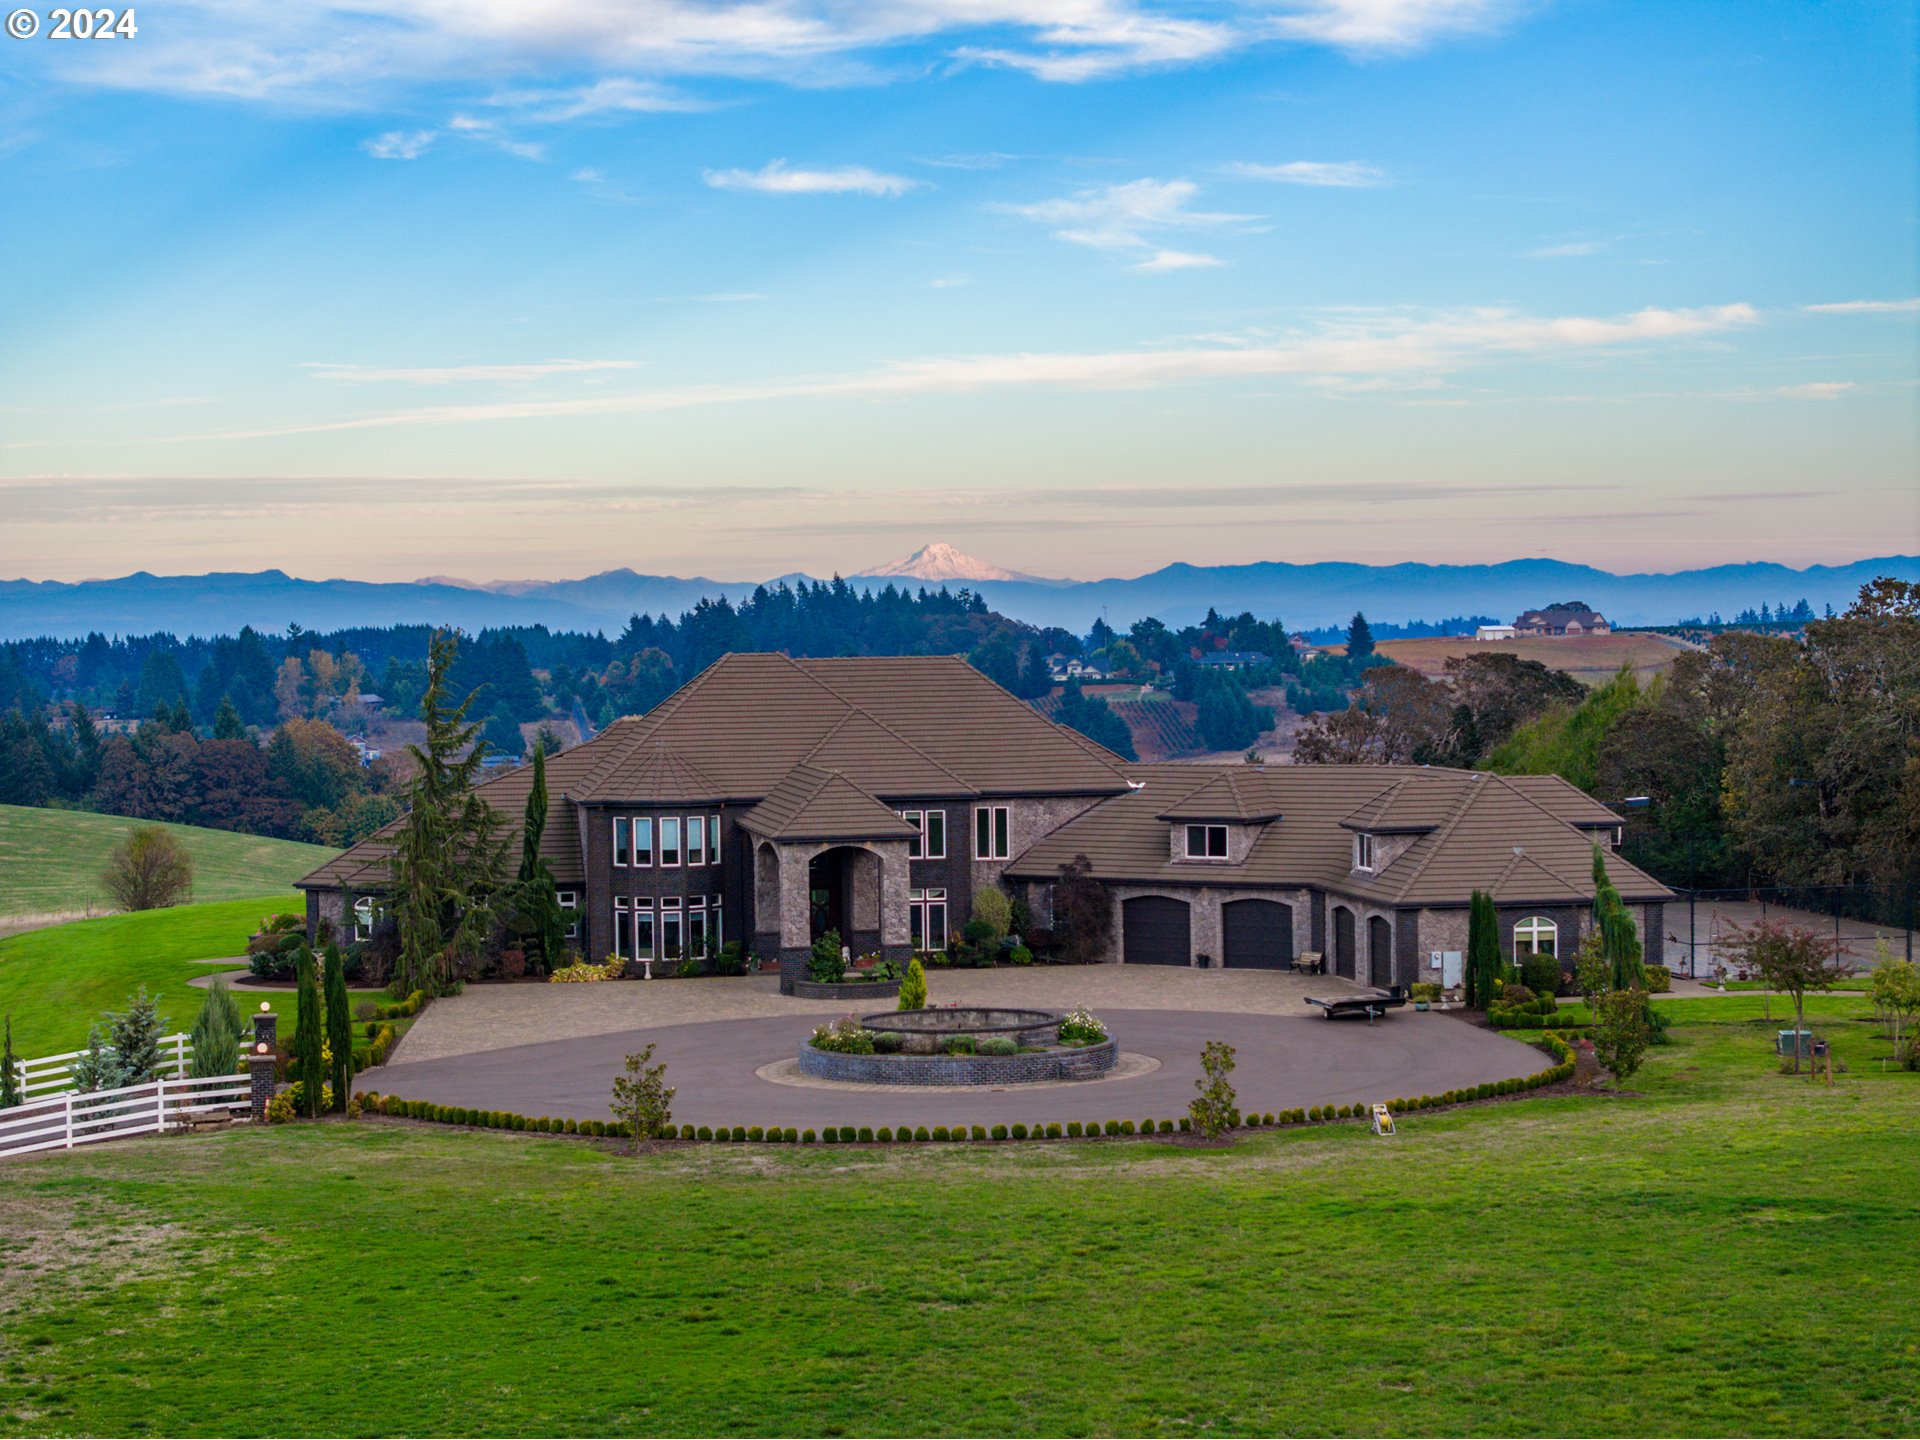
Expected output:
(940, 561)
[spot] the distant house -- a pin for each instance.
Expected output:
(1235, 660)
(1495, 632)
(1569, 617)
(371, 702)
(1063, 668)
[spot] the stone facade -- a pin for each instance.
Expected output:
(1205, 925)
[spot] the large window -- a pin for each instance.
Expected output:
(1363, 852)
(1536, 932)
(992, 839)
(622, 927)
(672, 930)
(697, 926)
(696, 840)
(669, 839)
(622, 840)
(927, 919)
(931, 842)
(643, 936)
(570, 905)
(363, 919)
(642, 840)
(713, 840)
(1206, 842)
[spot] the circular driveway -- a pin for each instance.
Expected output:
(1284, 1061)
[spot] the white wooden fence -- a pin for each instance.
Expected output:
(53, 1074)
(78, 1118)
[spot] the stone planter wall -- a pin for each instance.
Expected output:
(857, 990)
(1087, 1063)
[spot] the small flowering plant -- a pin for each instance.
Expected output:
(1082, 1027)
(845, 1036)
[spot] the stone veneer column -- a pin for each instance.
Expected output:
(266, 1027)
(261, 1062)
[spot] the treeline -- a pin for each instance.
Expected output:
(306, 783)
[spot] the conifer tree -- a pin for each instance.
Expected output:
(537, 900)
(1619, 942)
(227, 724)
(136, 1038)
(1359, 637)
(9, 1071)
(307, 1065)
(216, 1034)
(1483, 951)
(339, 1026)
(447, 855)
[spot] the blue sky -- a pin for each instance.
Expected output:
(505, 288)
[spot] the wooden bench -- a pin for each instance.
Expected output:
(1311, 962)
(1371, 1003)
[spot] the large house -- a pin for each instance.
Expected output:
(1567, 617)
(770, 800)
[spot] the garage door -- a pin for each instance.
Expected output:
(1380, 951)
(1343, 941)
(1258, 934)
(1156, 930)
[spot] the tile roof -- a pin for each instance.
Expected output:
(1518, 842)
(816, 804)
(1234, 794)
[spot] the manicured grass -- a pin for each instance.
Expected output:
(1724, 1251)
(51, 860)
(56, 982)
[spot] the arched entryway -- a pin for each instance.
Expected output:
(843, 895)
(1256, 935)
(1343, 945)
(1380, 951)
(1156, 930)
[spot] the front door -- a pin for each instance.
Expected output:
(826, 892)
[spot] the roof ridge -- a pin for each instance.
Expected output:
(1440, 833)
(853, 709)
(1086, 742)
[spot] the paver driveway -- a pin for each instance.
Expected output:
(554, 1050)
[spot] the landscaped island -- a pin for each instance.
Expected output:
(961, 1045)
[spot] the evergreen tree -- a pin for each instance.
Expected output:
(307, 1064)
(227, 724)
(1359, 637)
(136, 1038)
(1483, 951)
(502, 736)
(447, 854)
(9, 1071)
(537, 899)
(339, 1026)
(86, 753)
(1619, 942)
(216, 1034)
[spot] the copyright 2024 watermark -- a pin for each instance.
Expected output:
(63, 24)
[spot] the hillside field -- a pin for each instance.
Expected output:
(1590, 659)
(50, 861)
(1721, 1250)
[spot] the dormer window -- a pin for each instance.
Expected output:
(1363, 852)
(1206, 842)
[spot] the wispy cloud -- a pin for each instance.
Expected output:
(1865, 307)
(399, 144)
(341, 53)
(615, 95)
(1360, 344)
(1122, 217)
(474, 127)
(1567, 250)
(1337, 174)
(777, 178)
(1816, 390)
(460, 374)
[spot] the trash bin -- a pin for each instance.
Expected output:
(1784, 1044)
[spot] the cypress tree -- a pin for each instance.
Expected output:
(1619, 942)
(307, 1066)
(1483, 951)
(339, 1026)
(9, 1072)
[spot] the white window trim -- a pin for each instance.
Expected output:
(1365, 855)
(713, 840)
(570, 902)
(638, 863)
(622, 822)
(679, 843)
(696, 854)
(1534, 933)
(1205, 830)
(926, 826)
(363, 930)
(643, 909)
(993, 834)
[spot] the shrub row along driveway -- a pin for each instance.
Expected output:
(1283, 1061)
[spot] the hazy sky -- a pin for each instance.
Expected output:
(511, 288)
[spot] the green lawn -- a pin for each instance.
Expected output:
(56, 982)
(1724, 1251)
(50, 860)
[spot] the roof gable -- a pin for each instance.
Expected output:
(815, 804)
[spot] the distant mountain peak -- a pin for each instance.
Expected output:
(940, 561)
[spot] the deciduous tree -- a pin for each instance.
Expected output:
(149, 870)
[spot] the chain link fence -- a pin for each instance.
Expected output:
(1856, 917)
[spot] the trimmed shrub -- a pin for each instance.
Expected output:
(1073, 1129)
(888, 1042)
(789, 1136)
(1541, 973)
(740, 1132)
(755, 1133)
(939, 1132)
(998, 1045)
(1166, 1127)
(960, 1045)
(884, 1134)
(866, 1135)
(1053, 1130)
(1019, 1132)
(705, 1132)
(999, 1132)
(920, 1132)
(1186, 1124)
(1126, 1127)
(807, 1137)
(1112, 1127)
(1659, 979)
